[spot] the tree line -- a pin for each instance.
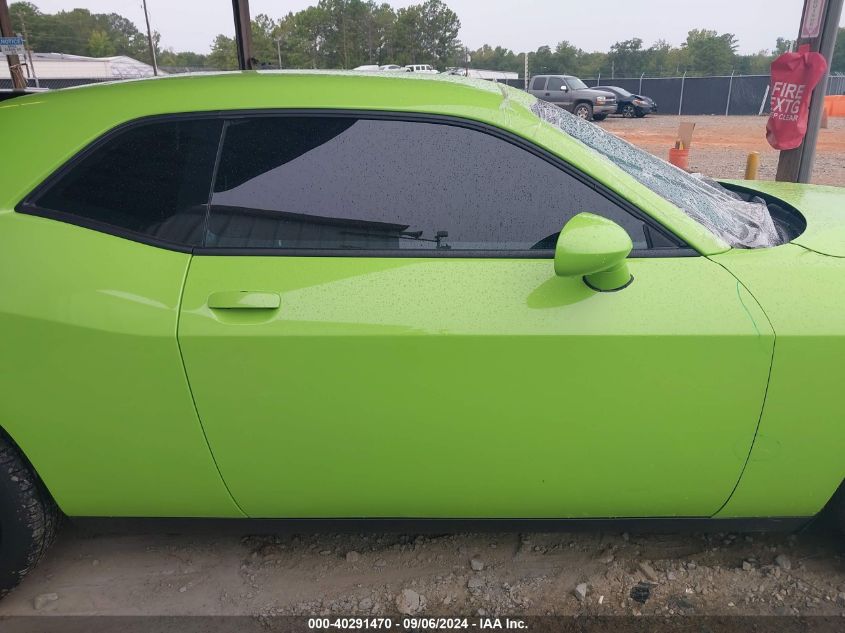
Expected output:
(350, 33)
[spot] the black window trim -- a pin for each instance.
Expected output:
(26, 206)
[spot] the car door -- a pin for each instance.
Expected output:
(538, 87)
(558, 93)
(359, 344)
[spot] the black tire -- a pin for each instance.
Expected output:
(583, 111)
(640, 114)
(599, 117)
(629, 111)
(29, 517)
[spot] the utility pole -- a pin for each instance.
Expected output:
(150, 40)
(18, 80)
(29, 52)
(279, 49)
(243, 34)
(526, 71)
(819, 27)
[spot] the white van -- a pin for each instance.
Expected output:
(421, 68)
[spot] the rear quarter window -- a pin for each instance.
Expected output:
(151, 179)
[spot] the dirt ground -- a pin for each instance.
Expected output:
(205, 570)
(721, 144)
(223, 571)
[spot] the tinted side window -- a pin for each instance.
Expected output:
(152, 179)
(539, 83)
(342, 183)
(555, 83)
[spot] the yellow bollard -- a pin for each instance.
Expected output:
(752, 165)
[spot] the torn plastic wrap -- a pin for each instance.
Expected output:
(741, 224)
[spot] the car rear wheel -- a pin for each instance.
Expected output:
(584, 111)
(629, 111)
(29, 517)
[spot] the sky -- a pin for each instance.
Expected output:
(516, 24)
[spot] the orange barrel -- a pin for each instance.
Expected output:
(835, 105)
(679, 158)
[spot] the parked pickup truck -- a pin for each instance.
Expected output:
(572, 94)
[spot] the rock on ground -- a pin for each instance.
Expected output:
(409, 602)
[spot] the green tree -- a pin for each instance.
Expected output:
(224, 54)
(100, 45)
(708, 53)
(439, 32)
(497, 58)
(186, 60)
(783, 45)
(627, 57)
(80, 32)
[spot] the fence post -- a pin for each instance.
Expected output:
(641, 84)
(730, 89)
(681, 104)
(526, 71)
(765, 100)
(598, 81)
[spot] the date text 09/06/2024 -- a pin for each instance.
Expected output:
(416, 624)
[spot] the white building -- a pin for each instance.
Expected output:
(61, 66)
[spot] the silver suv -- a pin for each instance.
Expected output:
(570, 93)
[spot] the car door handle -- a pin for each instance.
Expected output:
(244, 300)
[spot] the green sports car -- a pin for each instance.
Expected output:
(322, 295)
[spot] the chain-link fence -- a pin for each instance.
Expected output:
(730, 94)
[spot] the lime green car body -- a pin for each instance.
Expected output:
(430, 387)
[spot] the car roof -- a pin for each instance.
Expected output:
(96, 109)
(283, 89)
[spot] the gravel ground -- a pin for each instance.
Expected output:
(721, 144)
(219, 571)
(213, 571)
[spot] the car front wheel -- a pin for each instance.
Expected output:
(629, 111)
(28, 517)
(584, 111)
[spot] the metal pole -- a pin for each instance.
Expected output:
(763, 102)
(18, 80)
(730, 89)
(796, 165)
(150, 40)
(641, 84)
(526, 71)
(279, 49)
(28, 49)
(681, 104)
(243, 34)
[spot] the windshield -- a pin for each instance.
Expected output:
(623, 93)
(575, 83)
(741, 224)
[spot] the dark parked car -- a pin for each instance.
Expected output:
(630, 105)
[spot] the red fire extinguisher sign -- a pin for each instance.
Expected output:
(794, 76)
